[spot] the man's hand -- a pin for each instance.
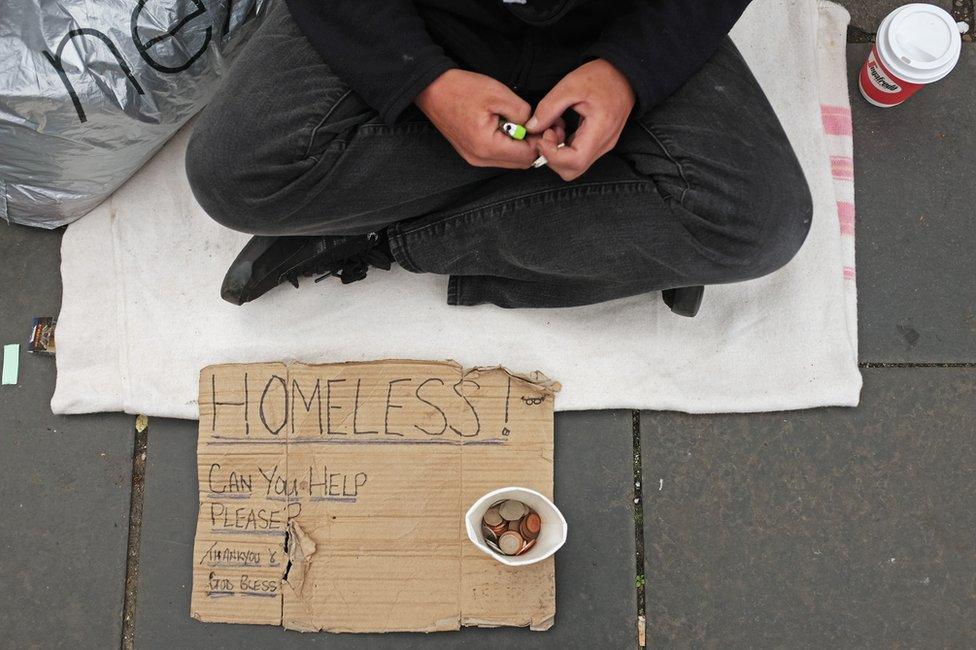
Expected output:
(465, 108)
(602, 97)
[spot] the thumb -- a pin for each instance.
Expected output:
(550, 109)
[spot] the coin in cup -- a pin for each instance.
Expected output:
(499, 529)
(512, 510)
(492, 518)
(529, 544)
(510, 527)
(488, 533)
(510, 542)
(530, 526)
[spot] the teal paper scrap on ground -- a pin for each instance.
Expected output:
(11, 364)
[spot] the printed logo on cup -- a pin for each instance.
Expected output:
(880, 86)
(880, 77)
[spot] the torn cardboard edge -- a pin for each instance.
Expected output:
(332, 496)
(299, 548)
(536, 378)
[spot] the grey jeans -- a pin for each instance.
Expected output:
(704, 189)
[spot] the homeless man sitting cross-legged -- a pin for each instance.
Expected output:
(351, 134)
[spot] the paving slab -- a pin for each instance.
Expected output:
(866, 15)
(65, 480)
(595, 593)
(915, 172)
(825, 528)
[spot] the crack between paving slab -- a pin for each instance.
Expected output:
(638, 523)
(135, 531)
(898, 364)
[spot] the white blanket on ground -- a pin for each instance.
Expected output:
(141, 312)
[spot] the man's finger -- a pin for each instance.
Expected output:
(510, 106)
(500, 164)
(553, 156)
(559, 129)
(555, 134)
(573, 160)
(482, 159)
(551, 108)
(500, 147)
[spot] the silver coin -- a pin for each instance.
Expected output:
(488, 533)
(512, 510)
(492, 518)
(510, 542)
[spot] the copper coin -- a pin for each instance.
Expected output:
(530, 526)
(492, 518)
(529, 544)
(510, 542)
(512, 510)
(488, 533)
(499, 529)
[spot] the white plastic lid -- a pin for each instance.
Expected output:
(919, 42)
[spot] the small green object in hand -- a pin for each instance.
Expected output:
(512, 130)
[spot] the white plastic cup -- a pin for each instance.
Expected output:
(551, 537)
(917, 44)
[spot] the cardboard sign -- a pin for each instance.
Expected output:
(332, 497)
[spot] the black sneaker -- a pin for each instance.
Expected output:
(266, 262)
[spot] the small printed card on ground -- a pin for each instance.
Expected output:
(11, 364)
(42, 335)
(333, 497)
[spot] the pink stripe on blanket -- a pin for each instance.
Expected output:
(842, 168)
(845, 213)
(836, 120)
(849, 273)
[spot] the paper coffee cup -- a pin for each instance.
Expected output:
(917, 44)
(551, 536)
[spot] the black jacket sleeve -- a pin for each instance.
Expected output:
(381, 49)
(659, 44)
